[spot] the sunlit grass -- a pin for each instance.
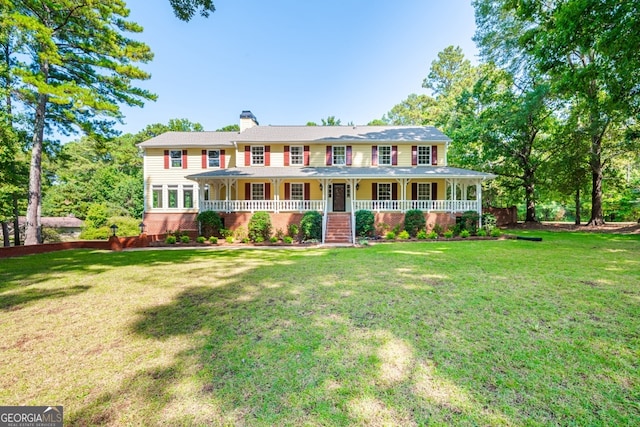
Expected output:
(468, 333)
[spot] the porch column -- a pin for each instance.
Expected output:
(276, 194)
(479, 202)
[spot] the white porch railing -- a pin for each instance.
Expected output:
(423, 205)
(262, 205)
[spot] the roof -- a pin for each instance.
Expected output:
(341, 172)
(342, 133)
(298, 134)
(191, 139)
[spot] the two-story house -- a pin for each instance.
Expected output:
(288, 170)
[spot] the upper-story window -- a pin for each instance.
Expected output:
(339, 155)
(384, 155)
(176, 158)
(297, 155)
(213, 158)
(257, 155)
(424, 155)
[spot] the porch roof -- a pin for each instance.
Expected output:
(346, 172)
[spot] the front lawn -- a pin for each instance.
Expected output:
(506, 332)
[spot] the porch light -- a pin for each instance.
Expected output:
(141, 226)
(114, 229)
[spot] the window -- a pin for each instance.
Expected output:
(257, 191)
(156, 191)
(384, 155)
(384, 191)
(348, 191)
(173, 196)
(297, 155)
(176, 158)
(424, 155)
(297, 192)
(424, 191)
(187, 196)
(213, 158)
(257, 155)
(339, 155)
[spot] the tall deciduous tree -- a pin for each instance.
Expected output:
(186, 9)
(589, 49)
(74, 66)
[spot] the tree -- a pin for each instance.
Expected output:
(589, 50)
(75, 67)
(186, 9)
(229, 128)
(331, 121)
(416, 110)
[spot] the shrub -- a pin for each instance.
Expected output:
(397, 228)
(274, 239)
(287, 239)
(247, 240)
(482, 232)
(225, 232)
(365, 223)
(97, 216)
(448, 234)
(185, 239)
(229, 239)
(127, 226)
(293, 230)
(210, 223)
(390, 235)
(469, 221)
(311, 226)
(279, 234)
(432, 235)
(437, 228)
(414, 222)
(496, 232)
(171, 239)
(201, 239)
(465, 233)
(382, 228)
(213, 240)
(421, 235)
(489, 222)
(404, 235)
(241, 234)
(260, 226)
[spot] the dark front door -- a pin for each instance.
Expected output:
(339, 197)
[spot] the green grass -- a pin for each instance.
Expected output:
(504, 332)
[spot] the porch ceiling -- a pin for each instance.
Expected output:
(346, 172)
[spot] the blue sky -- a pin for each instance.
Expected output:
(293, 61)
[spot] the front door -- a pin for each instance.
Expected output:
(339, 203)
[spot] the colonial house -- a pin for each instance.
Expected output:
(288, 170)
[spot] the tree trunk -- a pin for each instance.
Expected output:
(5, 234)
(578, 213)
(597, 217)
(16, 222)
(32, 223)
(530, 198)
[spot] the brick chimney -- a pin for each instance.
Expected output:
(247, 120)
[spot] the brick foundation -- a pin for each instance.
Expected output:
(160, 223)
(393, 219)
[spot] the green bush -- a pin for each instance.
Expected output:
(213, 240)
(201, 239)
(421, 235)
(414, 222)
(482, 232)
(404, 235)
(97, 216)
(185, 239)
(171, 239)
(448, 234)
(229, 239)
(274, 239)
(225, 232)
(432, 235)
(293, 230)
(469, 221)
(260, 226)
(465, 233)
(365, 223)
(496, 232)
(287, 239)
(210, 223)
(241, 234)
(437, 228)
(127, 226)
(489, 222)
(311, 226)
(390, 235)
